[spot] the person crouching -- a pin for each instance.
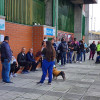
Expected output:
(57, 73)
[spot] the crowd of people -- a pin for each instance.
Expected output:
(56, 51)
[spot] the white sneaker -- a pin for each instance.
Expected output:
(77, 61)
(15, 75)
(80, 62)
(46, 78)
(11, 75)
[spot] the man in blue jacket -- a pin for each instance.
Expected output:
(31, 60)
(6, 56)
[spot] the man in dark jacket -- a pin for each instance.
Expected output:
(63, 49)
(6, 56)
(22, 61)
(31, 60)
(92, 50)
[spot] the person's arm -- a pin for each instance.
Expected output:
(8, 52)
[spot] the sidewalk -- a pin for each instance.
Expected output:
(82, 83)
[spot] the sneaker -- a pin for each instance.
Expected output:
(77, 61)
(39, 83)
(15, 75)
(46, 78)
(49, 83)
(25, 72)
(11, 75)
(80, 62)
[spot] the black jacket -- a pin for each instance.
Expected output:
(63, 46)
(81, 46)
(21, 58)
(93, 47)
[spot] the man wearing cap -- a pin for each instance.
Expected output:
(6, 56)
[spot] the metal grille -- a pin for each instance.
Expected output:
(66, 16)
(25, 11)
(2, 7)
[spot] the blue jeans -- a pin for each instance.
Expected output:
(5, 70)
(98, 59)
(63, 58)
(78, 56)
(69, 57)
(47, 66)
(81, 56)
(84, 54)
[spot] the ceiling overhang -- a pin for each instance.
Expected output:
(83, 1)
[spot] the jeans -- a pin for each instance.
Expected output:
(81, 56)
(84, 54)
(47, 66)
(63, 58)
(69, 57)
(78, 56)
(5, 71)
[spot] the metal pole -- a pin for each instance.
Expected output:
(56, 17)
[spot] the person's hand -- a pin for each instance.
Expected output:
(36, 61)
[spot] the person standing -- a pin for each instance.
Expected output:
(98, 48)
(70, 52)
(92, 50)
(48, 62)
(63, 49)
(81, 46)
(58, 52)
(74, 56)
(6, 56)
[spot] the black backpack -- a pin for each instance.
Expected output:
(63, 47)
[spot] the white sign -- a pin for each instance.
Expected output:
(1, 38)
(49, 31)
(2, 24)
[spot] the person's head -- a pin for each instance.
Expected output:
(52, 41)
(45, 38)
(93, 42)
(31, 50)
(23, 50)
(98, 42)
(63, 39)
(6, 38)
(75, 39)
(81, 42)
(44, 44)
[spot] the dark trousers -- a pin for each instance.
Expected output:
(98, 59)
(84, 54)
(25, 65)
(58, 57)
(92, 53)
(63, 58)
(98, 52)
(14, 68)
(34, 65)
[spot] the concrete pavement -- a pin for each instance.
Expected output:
(82, 83)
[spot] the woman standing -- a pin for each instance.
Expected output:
(48, 62)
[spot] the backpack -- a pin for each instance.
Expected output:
(63, 47)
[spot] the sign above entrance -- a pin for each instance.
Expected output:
(2, 24)
(49, 31)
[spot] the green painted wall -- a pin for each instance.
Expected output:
(25, 11)
(2, 7)
(66, 16)
(83, 25)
